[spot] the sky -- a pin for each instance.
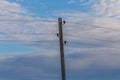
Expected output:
(29, 46)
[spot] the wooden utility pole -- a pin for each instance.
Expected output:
(63, 71)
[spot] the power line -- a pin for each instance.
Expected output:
(57, 41)
(95, 26)
(28, 33)
(28, 20)
(90, 38)
(90, 44)
(24, 41)
(66, 35)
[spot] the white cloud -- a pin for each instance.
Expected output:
(10, 8)
(78, 30)
(104, 8)
(14, 11)
(107, 8)
(104, 14)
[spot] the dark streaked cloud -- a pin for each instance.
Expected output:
(35, 67)
(30, 68)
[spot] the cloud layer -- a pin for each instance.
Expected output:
(30, 67)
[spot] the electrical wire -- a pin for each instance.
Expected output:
(57, 41)
(66, 35)
(28, 33)
(91, 44)
(24, 41)
(90, 38)
(27, 20)
(94, 26)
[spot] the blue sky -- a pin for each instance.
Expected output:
(45, 8)
(91, 31)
